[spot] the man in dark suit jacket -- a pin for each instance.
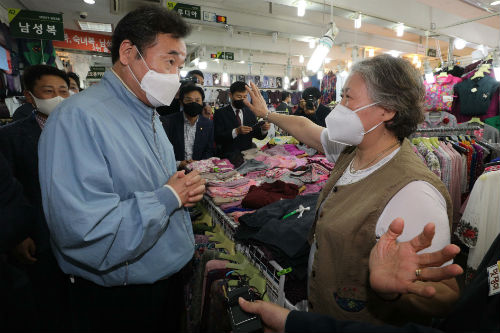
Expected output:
(45, 86)
(286, 99)
(191, 135)
(311, 108)
(235, 125)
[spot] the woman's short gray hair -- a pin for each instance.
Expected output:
(397, 86)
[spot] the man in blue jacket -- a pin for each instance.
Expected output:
(114, 203)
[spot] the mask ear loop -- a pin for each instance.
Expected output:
(145, 64)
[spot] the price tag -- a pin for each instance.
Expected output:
(447, 98)
(494, 279)
(284, 271)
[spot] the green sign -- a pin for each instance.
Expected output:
(185, 10)
(96, 72)
(35, 25)
(223, 55)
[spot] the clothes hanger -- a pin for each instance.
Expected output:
(223, 241)
(475, 120)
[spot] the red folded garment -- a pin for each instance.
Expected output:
(267, 193)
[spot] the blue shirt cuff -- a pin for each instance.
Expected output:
(168, 197)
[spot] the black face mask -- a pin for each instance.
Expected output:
(193, 109)
(239, 104)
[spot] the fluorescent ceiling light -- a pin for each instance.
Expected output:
(312, 44)
(320, 75)
(357, 22)
(394, 53)
(202, 65)
(371, 52)
(494, 3)
(415, 59)
(301, 59)
(94, 26)
(324, 46)
(242, 62)
(90, 2)
(400, 30)
(305, 79)
(301, 8)
(459, 43)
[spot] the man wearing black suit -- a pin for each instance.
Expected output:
(46, 87)
(191, 135)
(235, 125)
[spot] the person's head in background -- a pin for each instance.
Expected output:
(286, 97)
(198, 75)
(238, 93)
(45, 87)
(191, 98)
(74, 83)
(311, 98)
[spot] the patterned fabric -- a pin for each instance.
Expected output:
(225, 192)
(328, 88)
(210, 165)
(189, 136)
(431, 159)
(41, 120)
(443, 119)
(439, 95)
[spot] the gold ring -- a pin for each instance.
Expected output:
(418, 273)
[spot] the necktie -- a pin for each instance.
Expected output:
(238, 117)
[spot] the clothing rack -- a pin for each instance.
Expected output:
(448, 130)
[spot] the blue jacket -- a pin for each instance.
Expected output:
(103, 163)
(204, 144)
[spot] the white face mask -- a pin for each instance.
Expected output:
(71, 92)
(160, 88)
(46, 106)
(344, 125)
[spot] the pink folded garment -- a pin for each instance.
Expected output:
(293, 150)
(230, 205)
(237, 215)
(256, 174)
(228, 184)
(239, 191)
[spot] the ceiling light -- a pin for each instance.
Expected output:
(183, 73)
(415, 59)
(202, 65)
(301, 59)
(301, 86)
(327, 60)
(459, 43)
(320, 75)
(312, 44)
(400, 30)
(301, 8)
(357, 21)
(90, 2)
(242, 62)
(494, 3)
(286, 83)
(429, 77)
(324, 46)
(419, 64)
(94, 26)
(349, 64)
(371, 52)
(394, 53)
(305, 79)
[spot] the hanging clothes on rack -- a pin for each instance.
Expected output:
(439, 95)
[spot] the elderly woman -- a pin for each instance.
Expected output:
(377, 178)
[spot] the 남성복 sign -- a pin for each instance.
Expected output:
(35, 25)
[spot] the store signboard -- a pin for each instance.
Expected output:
(35, 25)
(96, 72)
(185, 10)
(223, 55)
(85, 41)
(212, 17)
(432, 53)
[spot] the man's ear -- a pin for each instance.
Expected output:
(126, 52)
(28, 97)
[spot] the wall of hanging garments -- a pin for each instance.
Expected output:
(464, 94)
(455, 155)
